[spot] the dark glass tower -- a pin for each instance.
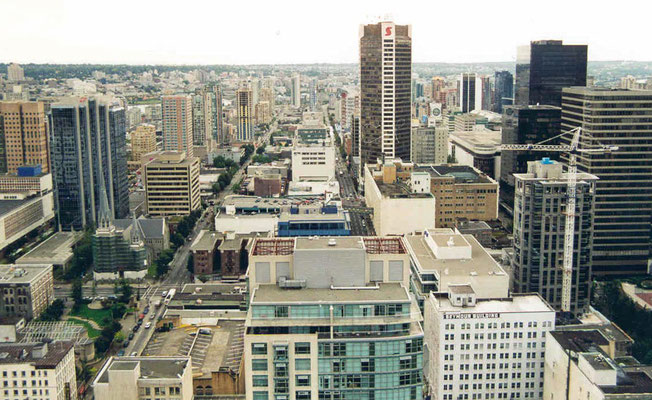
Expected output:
(504, 90)
(521, 125)
(623, 199)
(88, 139)
(544, 68)
(385, 91)
(467, 92)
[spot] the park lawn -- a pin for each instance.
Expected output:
(92, 332)
(96, 315)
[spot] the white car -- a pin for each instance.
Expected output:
(148, 325)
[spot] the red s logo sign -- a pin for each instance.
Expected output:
(388, 31)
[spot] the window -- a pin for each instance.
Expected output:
(260, 395)
(302, 380)
(260, 380)
(302, 395)
(302, 348)
(302, 364)
(259, 364)
(259, 348)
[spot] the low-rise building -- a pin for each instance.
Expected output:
(25, 290)
(26, 203)
(441, 258)
(144, 378)
(479, 229)
(479, 149)
(593, 362)
(461, 191)
(203, 252)
(429, 144)
(485, 347)
(38, 371)
(336, 223)
(56, 250)
(398, 209)
(268, 185)
(171, 184)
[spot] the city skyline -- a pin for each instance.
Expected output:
(50, 32)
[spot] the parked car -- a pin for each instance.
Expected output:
(131, 335)
(133, 354)
(135, 328)
(148, 325)
(125, 344)
(121, 353)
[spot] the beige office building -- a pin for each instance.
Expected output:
(143, 141)
(171, 184)
(177, 123)
(23, 136)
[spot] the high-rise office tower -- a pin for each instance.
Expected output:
(503, 90)
(545, 67)
(199, 118)
(523, 125)
(313, 94)
(23, 136)
(267, 94)
(623, 216)
(385, 90)
(177, 123)
(429, 144)
(539, 221)
(255, 85)
(438, 90)
(88, 142)
(143, 141)
(214, 112)
(171, 184)
(355, 135)
(243, 103)
(486, 99)
(470, 93)
(296, 90)
(15, 73)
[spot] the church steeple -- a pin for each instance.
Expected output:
(105, 217)
(135, 236)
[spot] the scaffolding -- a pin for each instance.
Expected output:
(273, 247)
(40, 331)
(376, 245)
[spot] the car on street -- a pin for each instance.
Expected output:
(125, 344)
(135, 328)
(133, 354)
(148, 325)
(131, 335)
(121, 353)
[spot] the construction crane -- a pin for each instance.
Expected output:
(573, 148)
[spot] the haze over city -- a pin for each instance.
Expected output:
(298, 32)
(337, 200)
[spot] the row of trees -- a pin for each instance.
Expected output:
(183, 230)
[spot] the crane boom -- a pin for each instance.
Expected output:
(572, 148)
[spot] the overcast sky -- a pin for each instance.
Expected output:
(289, 32)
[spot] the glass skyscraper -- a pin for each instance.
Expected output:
(88, 139)
(544, 68)
(504, 90)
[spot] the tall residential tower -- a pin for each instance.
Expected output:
(177, 123)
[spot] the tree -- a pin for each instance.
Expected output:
(118, 310)
(191, 263)
(77, 295)
(125, 290)
(119, 337)
(54, 312)
(177, 240)
(260, 150)
(451, 159)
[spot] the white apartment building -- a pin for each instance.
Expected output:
(144, 378)
(485, 348)
(43, 371)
